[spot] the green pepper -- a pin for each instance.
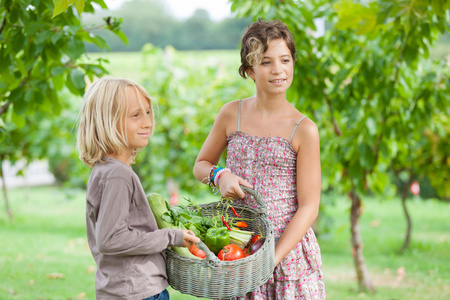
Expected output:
(217, 238)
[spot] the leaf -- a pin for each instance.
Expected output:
(33, 27)
(75, 48)
(186, 216)
(55, 276)
(375, 223)
(122, 36)
(58, 70)
(18, 41)
(72, 29)
(18, 120)
(77, 78)
(101, 3)
(56, 37)
(61, 6)
(91, 269)
(168, 218)
(79, 5)
(371, 125)
(42, 36)
(58, 82)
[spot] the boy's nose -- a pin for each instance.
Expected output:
(147, 122)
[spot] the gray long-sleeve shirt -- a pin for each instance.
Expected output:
(123, 235)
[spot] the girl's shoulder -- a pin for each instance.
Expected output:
(230, 111)
(232, 107)
(306, 133)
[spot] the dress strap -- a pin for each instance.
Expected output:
(296, 124)
(239, 116)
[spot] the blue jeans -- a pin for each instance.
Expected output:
(164, 295)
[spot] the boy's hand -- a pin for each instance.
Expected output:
(189, 238)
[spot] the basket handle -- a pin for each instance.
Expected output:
(261, 204)
(210, 256)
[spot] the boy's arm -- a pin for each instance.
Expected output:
(113, 235)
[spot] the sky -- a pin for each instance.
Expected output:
(182, 9)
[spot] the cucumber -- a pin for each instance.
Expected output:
(158, 206)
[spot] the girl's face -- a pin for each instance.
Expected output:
(275, 73)
(136, 121)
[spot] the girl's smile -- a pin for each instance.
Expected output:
(278, 81)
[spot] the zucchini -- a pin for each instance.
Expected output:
(158, 206)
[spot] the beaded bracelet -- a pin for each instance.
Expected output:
(216, 178)
(214, 175)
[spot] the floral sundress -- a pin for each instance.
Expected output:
(269, 164)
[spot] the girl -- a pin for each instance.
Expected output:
(116, 121)
(273, 148)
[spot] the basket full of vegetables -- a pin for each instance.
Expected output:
(236, 252)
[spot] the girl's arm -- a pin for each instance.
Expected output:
(308, 189)
(212, 150)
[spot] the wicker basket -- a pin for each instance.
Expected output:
(216, 279)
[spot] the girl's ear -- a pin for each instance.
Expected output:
(250, 73)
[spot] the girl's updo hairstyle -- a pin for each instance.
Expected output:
(255, 42)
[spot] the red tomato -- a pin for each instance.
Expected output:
(255, 238)
(231, 252)
(197, 251)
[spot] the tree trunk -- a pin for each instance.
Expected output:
(5, 194)
(365, 283)
(408, 218)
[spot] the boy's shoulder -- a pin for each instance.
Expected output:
(110, 167)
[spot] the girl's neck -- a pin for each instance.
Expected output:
(270, 104)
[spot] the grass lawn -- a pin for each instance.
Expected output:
(44, 253)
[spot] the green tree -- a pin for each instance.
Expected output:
(150, 21)
(367, 84)
(143, 21)
(188, 89)
(41, 54)
(425, 157)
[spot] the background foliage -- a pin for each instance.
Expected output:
(373, 92)
(380, 102)
(150, 21)
(44, 252)
(40, 57)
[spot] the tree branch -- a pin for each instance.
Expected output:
(400, 59)
(95, 28)
(3, 25)
(4, 108)
(335, 125)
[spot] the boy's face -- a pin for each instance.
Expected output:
(275, 73)
(137, 120)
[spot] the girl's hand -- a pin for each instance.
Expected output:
(229, 186)
(189, 238)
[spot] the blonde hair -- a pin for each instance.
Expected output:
(103, 109)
